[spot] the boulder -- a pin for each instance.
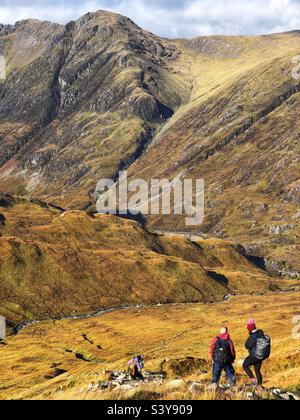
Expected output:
(126, 387)
(176, 384)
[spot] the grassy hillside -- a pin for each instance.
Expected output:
(238, 132)
(220, 108)
(61, 360)
(55, 263)
(84, 100)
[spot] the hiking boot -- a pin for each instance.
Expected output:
(226, 386)
(212, 387)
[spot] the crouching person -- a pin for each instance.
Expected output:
(136, 366)
(223, 355)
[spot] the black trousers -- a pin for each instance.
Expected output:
(257, 364)
(136, 375)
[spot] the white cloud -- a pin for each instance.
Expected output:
(176, 18)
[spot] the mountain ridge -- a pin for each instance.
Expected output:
(100, 94)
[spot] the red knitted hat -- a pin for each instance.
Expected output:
(251, 326)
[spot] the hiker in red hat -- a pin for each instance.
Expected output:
(259, 347)
(222, 353)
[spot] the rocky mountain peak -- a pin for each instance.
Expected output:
(84, 100)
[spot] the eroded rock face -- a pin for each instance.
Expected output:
(84, 100)
(282, 269)
(279, 260)
(280, 229)
(293, 194)
(68, 84)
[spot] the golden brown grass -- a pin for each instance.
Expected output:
(257, 167)
(55, 263)
(166, 335)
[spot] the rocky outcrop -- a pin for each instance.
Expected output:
(100, 71)
(280, 229)
(123, 383)
(262, 257)
(86, 99)
(281, 269)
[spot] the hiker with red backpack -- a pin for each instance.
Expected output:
(223, 355)
(259, 347)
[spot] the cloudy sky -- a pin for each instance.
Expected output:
(172, 18)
